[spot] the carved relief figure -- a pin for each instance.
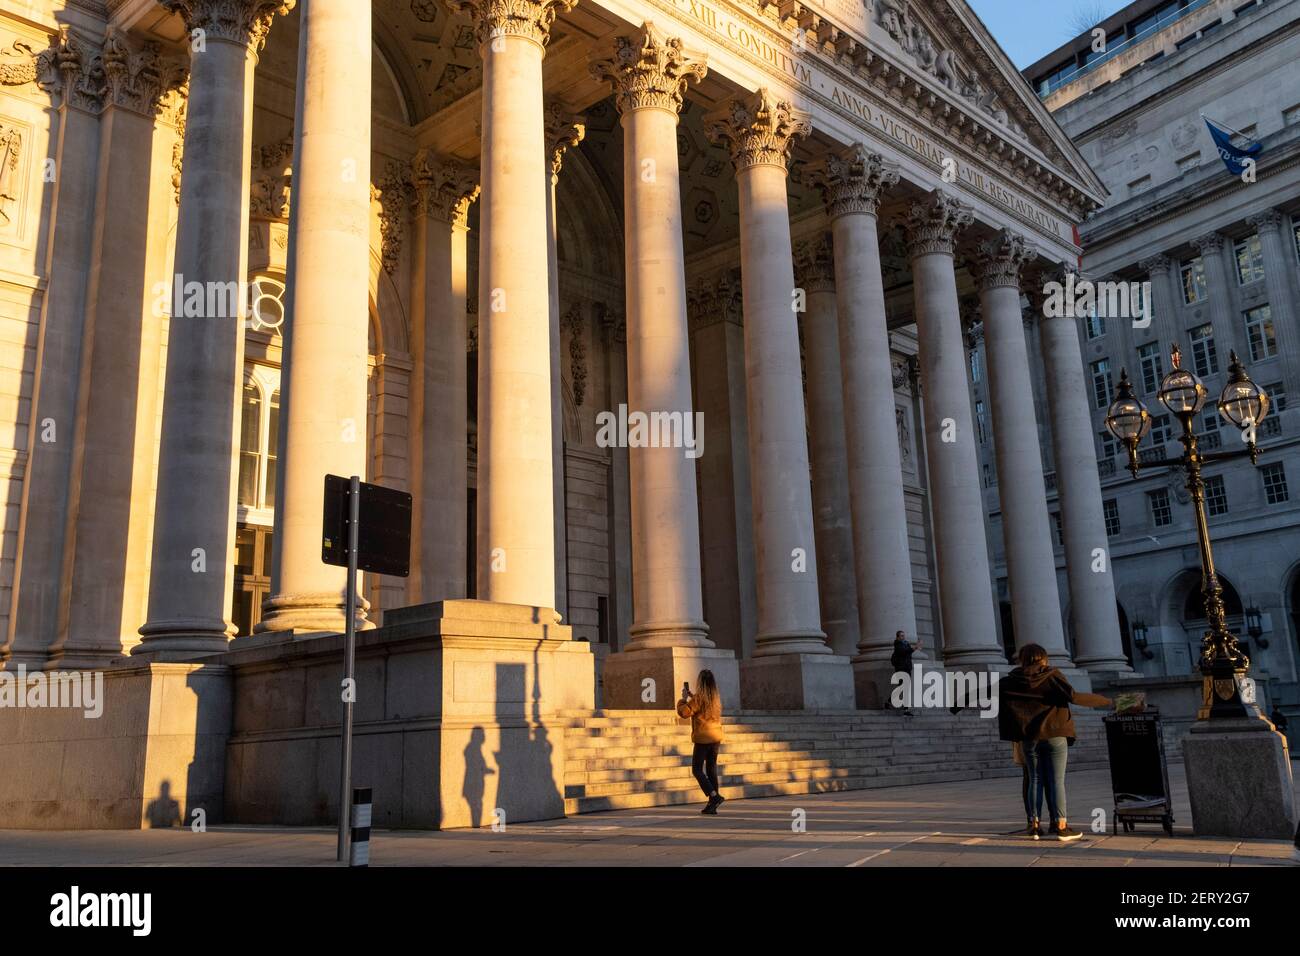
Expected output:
(11, 144)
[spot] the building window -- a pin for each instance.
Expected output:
(981, 422)
(1111, 508)
(1275, 491)
(1161, 433)
(1276, 396)
(1110, 445)
(258, 436)
(1205, 360)
(1160, 513)
(1094, 325)
(1216, 496)
(1193, 274)
(253, 552)
(1060, 530)
(1250, 259)
(1153, 366)
(1259, 330)
(1101, 382)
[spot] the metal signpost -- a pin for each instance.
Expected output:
(368, 528)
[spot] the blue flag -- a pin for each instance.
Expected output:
(1234, 157)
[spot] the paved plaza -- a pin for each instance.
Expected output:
(953, 824)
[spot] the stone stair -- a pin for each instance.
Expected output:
(622, 759)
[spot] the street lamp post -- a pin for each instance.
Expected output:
(1243, 404)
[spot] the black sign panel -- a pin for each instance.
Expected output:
(1137, 757)
(384, 528)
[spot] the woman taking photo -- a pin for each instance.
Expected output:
(1034, 711)
(704, 708)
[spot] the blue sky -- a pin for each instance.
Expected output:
(1030, 29)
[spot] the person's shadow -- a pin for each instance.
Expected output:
(163, 811)
(476, 774)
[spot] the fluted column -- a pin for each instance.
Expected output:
(852, 182)
(516, 485)
(1026, 528)
(1279, 260)
(443, 192)
(833, 521)
(649, 73)
(563, 131)
(327, 314)
(1165, 326)
(1219, 282)
(191, 564)
(760, 131)
(1094, 617)
(970, 634)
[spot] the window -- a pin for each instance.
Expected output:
(1193, 275)
(1153, 366)
(1110, 445)
(1275, 491)
(1210, 421)
(1276, 397)
(1205, 360)
(1161, 433)
(1245, 8)
(1111, 509)
(1101, 382)
(1060, 531)
(1160, 513)
(981, 423)
(1094, 325)
(1250, 259)
(1259, 330)
(1216, 496)
(253, 553)
(259, 434)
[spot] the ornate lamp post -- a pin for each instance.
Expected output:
(1243, 404)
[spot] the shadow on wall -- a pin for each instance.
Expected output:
(526, 787)
(163, 811)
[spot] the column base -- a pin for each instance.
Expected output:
(86, 659)
(976, 658)
(1109, 667)
(665, 634)
(311, 614)
(625, 674)
(180, 640)
(797, 682)
(1239, 780)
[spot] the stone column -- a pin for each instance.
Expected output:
(970, 633)
(1165, 325)
(649, 73)
(792, 667)
(327, 312)
(439, 476)
(563, 130)
(1026, 527)
(39, 593)
(516, 486)
(193, 547)
(117, 414)
(833, 521)
(1220, 280)
(1094, 617)
(1279, 260)
(852, 182)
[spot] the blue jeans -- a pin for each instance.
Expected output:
(1045, 775)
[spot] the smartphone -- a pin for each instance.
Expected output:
(686, 689)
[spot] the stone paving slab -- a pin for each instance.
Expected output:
(971, 823)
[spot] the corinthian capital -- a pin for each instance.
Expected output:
(140, 79)
(239, 21)
(527, 19)
(563, 131)
(443, 189)
(758, 128)
(1159, 263)
(649, 69)
(1270, 220)
(65, 68)
(1208, 244)
(999, 260)
(933, 224)
(814, 263)
(852, 180)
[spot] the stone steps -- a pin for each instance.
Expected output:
(638, 759)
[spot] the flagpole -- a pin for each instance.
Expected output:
(1235, 132)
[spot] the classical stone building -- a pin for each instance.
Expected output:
(248, 243)
(1223, 260)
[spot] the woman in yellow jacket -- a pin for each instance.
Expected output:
(704, 708)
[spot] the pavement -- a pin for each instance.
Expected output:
(972, 823)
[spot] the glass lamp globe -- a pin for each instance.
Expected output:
(1181, 391)
(1242, 403)
(1127, 418)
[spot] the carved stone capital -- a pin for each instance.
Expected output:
(649, 70)
(237, 21)
(814, 263)
(614, 325)
(140, 79)
(999, 260)
(933, 223)
(1156, 264)
(852, 180)
(1036, 291)
(1209, 244)
(563, 130)
(441, 188)
(67, 70)
(713, 301)
(759, 129)
(526, 19)
(1269, 220)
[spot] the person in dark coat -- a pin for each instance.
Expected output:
(1034, 711)
(901, 660)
